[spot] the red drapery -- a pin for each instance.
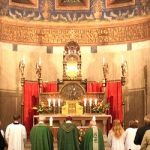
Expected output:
(93, 86)
(49, 87)
(114, 97)
(31, 99)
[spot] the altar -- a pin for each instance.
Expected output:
(79, 120)
(73, 98)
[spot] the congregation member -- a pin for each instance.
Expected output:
(68, 136)
(16, 134)
(93, 138)
(3, 143)
(141, 131)
(130, 136)
(41, 136)
(116, 136)
(145, 145)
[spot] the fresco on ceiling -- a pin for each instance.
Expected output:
(119, 3)
(24, 3)
(75, 11)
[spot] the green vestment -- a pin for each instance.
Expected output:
(41, 137)
(88, 140)
(68, 137)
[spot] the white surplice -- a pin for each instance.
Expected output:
(116, 143)
(129, 142)
(15, 135)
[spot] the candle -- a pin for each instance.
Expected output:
(59, 102)
(40, 62)
(51, 121)
(49, 102)
(85, 102)
(54, 102)
(94, 118)
(103, 60)
(96, 101)
(122, 59)
(90, 102)
(23, 60)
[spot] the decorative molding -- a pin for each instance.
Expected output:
(26, 4)
(72, 5)
(98, 33)
(119, 3)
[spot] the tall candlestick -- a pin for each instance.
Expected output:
(51, 121)
(49, 102)
(90, 102)
(54, 102)
(85, 102)
(96, 101)
(59, 102)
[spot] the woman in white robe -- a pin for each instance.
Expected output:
(116, 136)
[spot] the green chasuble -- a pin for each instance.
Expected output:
(88, 140)
(41, 137)
(68, 137)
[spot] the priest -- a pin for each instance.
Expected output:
(68, 136)
(41, 136)
(93, 138)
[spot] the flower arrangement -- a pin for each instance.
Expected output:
(42, 109)
(101, 107)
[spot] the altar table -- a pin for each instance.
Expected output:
(79, 120)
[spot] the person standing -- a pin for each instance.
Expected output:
(41, 136)
(145, 145)
(3, 143)
(130, 135)
(141, 131)
(93, 138)
(16, 134)
(116, 136)
(68, 136)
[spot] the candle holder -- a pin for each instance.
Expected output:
(124, 68)
(54, 110)
(84, 109)
(105, 73)
(39, 72)
(21, 69)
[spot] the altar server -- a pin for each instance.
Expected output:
(68, 136)
(41, 136)
(93, 138)
(130, 135)
(16, 134)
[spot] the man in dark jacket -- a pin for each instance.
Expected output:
(141, 131)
